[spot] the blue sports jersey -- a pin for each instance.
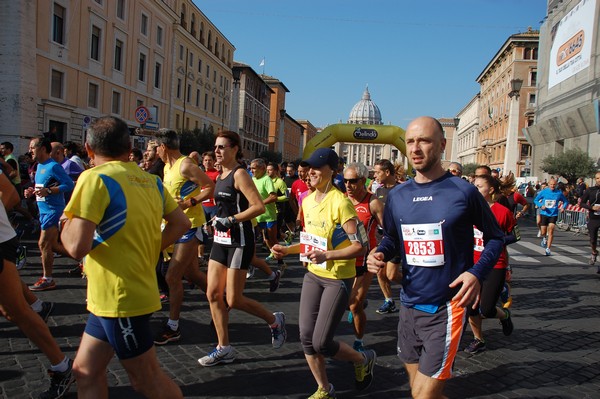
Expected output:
(51, 174)
(550, 198)
(431, 226)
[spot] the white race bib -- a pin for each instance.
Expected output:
(423, 244)
(478, 240)
(311, 242)
(549, 203)
(222, 237)
(39, 198)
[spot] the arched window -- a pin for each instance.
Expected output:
(222, 50)
(183, 15)
(217, 47)
(527, 55)
(193, 25)
(201, 32)
(208, 42)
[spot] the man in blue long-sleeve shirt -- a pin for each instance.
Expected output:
(51, 184)
(549, 200)
(429, 221)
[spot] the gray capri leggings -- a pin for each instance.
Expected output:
(323, 302)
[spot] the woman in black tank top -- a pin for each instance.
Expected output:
(238, 201)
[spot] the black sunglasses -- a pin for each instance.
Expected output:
(352, 181)
(221, 146)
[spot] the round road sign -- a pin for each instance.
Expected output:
(142, 114)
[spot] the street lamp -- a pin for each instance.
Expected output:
(281, 131)
(235, 100)
(515, 88)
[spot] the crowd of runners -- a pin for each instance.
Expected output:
(139, 224)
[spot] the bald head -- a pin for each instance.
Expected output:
(58, 151)
(425, 144)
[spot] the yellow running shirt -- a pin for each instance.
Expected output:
(180, 187)
(127, 205)
(325, 219)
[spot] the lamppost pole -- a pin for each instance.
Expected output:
(512, 134)
(281, 137)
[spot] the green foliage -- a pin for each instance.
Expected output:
(271, 156)
(200, 140)
(469, 169)
(571, 164)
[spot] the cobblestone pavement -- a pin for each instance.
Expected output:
(554, 351)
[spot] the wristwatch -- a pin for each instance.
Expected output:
(193, 201)
(233, 220)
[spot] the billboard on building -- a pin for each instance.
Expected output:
(572, 42)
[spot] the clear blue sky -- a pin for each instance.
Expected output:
(418, 57)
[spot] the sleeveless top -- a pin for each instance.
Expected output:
(363, 210)
(230, 202)
(181, 188)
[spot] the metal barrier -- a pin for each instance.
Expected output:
(574, 218)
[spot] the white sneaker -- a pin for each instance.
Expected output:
(279, 334)
(539, 233)
(218, 355)
(250, 272)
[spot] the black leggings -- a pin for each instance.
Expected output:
(593, 226)
(323, 302)
(490, 292)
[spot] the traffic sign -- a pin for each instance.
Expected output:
(142, 114)
(150, 125)
(86, 121)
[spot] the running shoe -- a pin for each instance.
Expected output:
(389, 306)
(358, 346)
(289, 237)
(274, 284)
(363, 372)
(544, 242)
(539, 234)
(47, 308)
(42, 285)
(164, 298)
(167, 335)
(250, 272)
(322, 393)
(278, 334)
(475, 346)
(507, 324)
(505, 296)
(217, 356)
(270, 258)
(21, 260)
(60, 382)
(548, 253)
(77, 271)
(593, 259)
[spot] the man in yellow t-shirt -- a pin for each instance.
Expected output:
(189, 186)
(113, 219)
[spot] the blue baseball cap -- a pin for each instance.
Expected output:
(322, 157)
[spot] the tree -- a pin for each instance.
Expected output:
(571, 164)
(469, 169)
(271, 156)
(200, 140)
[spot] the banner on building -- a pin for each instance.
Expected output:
(572, 42)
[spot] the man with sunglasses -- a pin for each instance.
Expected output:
(370, 212)
(456, 169)
(189, 186)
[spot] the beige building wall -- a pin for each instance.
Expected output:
(516, 59)
(201, 78)
(100, 57)
(464, 146)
